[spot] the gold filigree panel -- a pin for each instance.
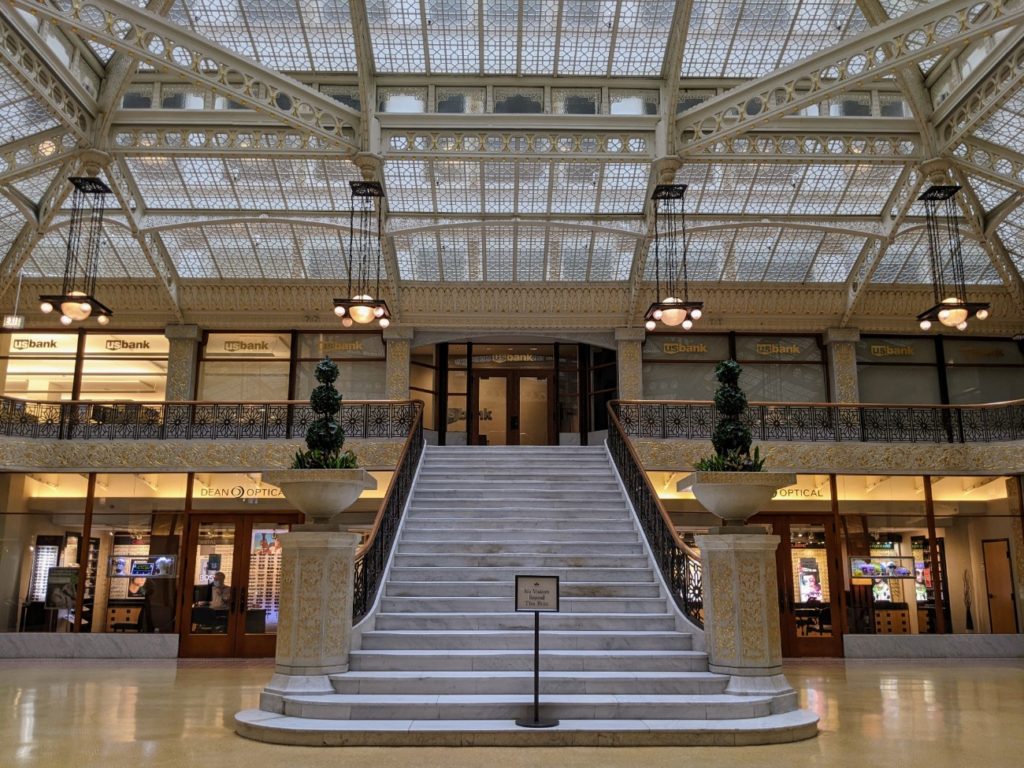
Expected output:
(630, 370)
(723, 609)
(397, 369)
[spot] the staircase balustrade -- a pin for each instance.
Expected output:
(372, 555)
(679, 563)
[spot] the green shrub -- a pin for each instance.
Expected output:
(325, 436)
(731, 437)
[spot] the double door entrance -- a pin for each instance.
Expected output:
(513, 407)
(244, 553)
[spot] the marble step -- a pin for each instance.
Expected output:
(521, 466)
(504, 589)
(497, 526)
(499, 605)
(555, 499)
(581, 511)
(507, 573)
(606, 622)
(506, 482)
(562, 706)
(561, 661)
(521, 683)
(576, 477)
(519, 544)
(515, 452)
(541, 563)
(420, 639)
(538, 534)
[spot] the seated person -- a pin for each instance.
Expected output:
(220, 593)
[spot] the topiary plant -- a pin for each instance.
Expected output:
(324, 436)
(731, 437)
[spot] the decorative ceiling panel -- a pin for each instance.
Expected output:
(473, 186)
(906, 262)
(787, 188)
(120, 256)
(516, 251)
(34, 187)
(259, 250)
(281, 34)
(1011, 232)
(989, 193)
(509, 37)
(767, 254)
(21, 114)
(1005, 125)
(244, 183)
(750, 38)
(11, 222)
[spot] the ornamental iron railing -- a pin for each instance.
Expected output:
(194, 420)
(830, 422)
(372, 555)
(679, 563)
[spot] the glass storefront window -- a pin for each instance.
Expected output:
(898, 370)
(782, 369)
(245, 366)
(124, 367)
(357, 380)
(38, 366)
(983, 370)
(423, 382)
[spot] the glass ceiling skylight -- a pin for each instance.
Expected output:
(244, 183)
(1006, 124)
(852, 189)
(768, 254)
(515, 186)
(11, 222)
(1011, 232)
(513, 37)
(120, 255)
(756, 37)
(989, 193)
(258, 250)
(282, 34)
(34, 187)
(906, 261)
(514, 251)
(21, 114)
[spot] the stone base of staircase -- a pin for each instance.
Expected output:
(445, 660)
(301, 731)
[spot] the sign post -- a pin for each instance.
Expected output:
(540, 595)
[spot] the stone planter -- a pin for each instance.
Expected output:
(321, 494)
(736, 496)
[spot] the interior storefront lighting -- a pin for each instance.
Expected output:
(946, 259)
(363, 260)
(670, 268)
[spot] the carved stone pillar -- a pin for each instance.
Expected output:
(399, 341)
(182, 361)
(629, 361)
(842, 349)
(741, 611)
(314, 633)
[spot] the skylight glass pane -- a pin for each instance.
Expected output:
(417, 255)
(281, 34)
(1006, 124)
(906, 261)
(34, 187)
(750, 38)
(989, 193)
(21, 114)
(453, 36)
(396, 33)
(1011, 232)
(11, 222)
(120, 255)
(643, 30)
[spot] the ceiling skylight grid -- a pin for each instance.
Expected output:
(281, 34)
(755, 37)
(1005, 125)
(120, 256)
(905, 262)
(21, 114)
(11, 222)
(1011, 232)
(34, 187)
(989, 193)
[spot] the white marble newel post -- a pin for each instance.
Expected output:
(315, 630)
(741, 612)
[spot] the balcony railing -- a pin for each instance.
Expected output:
(830, 422)
(678, 562)
(195, 420)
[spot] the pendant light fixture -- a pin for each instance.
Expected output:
(674, 309)
(364, 304)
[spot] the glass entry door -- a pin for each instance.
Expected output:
(233, 583)
(809, 584)
(513, 408)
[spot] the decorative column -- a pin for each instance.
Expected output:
(842, 348)
(629, 347)
(314, 633)
(182, 361)
(399, 342)
(741, 612)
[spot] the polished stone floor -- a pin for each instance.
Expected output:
(874, 714)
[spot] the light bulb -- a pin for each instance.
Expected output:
(362, 313)
(926, 324)
(687, 324)
(696, 313)
(650, 325)
(346, 321)
(954, 312)
(673, 316)
(74, 307)
(339, 311)
(982, 314)
(378, 311)
(46, 307)
(103, 319)
(384, 322)
(657, 314)
(65, 320)
(962, 326)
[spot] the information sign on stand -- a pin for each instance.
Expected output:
(538, 594)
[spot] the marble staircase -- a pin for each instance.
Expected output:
(445, 659)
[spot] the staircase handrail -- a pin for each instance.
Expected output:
(678, 561)
(372, 555)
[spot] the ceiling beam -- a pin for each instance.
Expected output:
(879, 51)
(172, 48)
(28, 156)
(831, 146)
(995, 161)
(216, 140)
